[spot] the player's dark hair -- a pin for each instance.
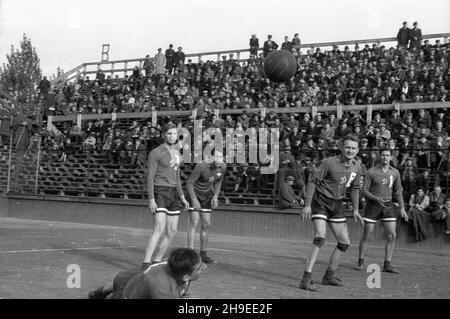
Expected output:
(182, 261)
(350, 137)
(385, 149)
(168, 127)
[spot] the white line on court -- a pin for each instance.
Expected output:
(61, 249)
(403, 264)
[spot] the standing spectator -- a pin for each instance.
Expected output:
(286, 45)
(100, 77)
(149, 66)
(403, 35)
(254, 46)
(170, 52)
(296, 42)
(160, 63)
(44, 86)
(415, 36)
(269, 46)
(179, 58)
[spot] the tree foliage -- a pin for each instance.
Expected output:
(22, 72)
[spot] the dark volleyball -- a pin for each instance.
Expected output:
(280, 66)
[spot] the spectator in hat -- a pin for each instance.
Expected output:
(296, 42)
(269, 46)
(169, 54)
(313, 130)
(160, 63)
(286, 45)
(327, 132)
(424, 180)
(443, 214)
(254, 46)
(303, 124)
(287, 196)
(415, 37)
(148, 66)
(418, 216)
(179, 58)
(403, 35)
(423, 155)
(437, 199)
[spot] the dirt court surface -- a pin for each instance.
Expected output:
(35, 255)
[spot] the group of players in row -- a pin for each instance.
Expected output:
(333, 179)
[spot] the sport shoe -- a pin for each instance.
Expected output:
(208, 260)
(308, 285)
(389, 268)
(332, 281)
(359, 267)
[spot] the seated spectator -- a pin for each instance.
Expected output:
(437, 199)
(89, 142)
(287, 196)
(443, 214)
(418, 216)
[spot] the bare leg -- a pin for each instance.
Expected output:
(204, 231)
(340, 232)
(320, 229)
(366, 237)
(159, 229)
(389, 228)
(171, 230)
(192, 226)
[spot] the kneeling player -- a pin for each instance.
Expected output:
(203, 187)
(165, 280)
(382, 185)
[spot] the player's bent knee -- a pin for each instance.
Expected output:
(342, 247)
(318, 241)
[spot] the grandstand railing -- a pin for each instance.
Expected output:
(126, 65)
(308, 109)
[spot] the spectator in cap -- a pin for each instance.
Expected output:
(160, 63)
(415, 37)
(287, 196)
(443, 214)
(178, 59)
(254, 46)
(286, 45)
(169, 54)
(403, 35)
(296, 42)
(418, 203)
(269, 46)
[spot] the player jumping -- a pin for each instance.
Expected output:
(383, 191)
(324, 203)
(203, 187)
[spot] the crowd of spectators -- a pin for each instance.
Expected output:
(411, 72)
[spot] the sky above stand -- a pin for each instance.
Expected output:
(69, 33)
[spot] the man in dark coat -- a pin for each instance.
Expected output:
(170, 52)
(415, 36)
(403, 35)
(179, 58)
(254, 46)
(269, 46)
